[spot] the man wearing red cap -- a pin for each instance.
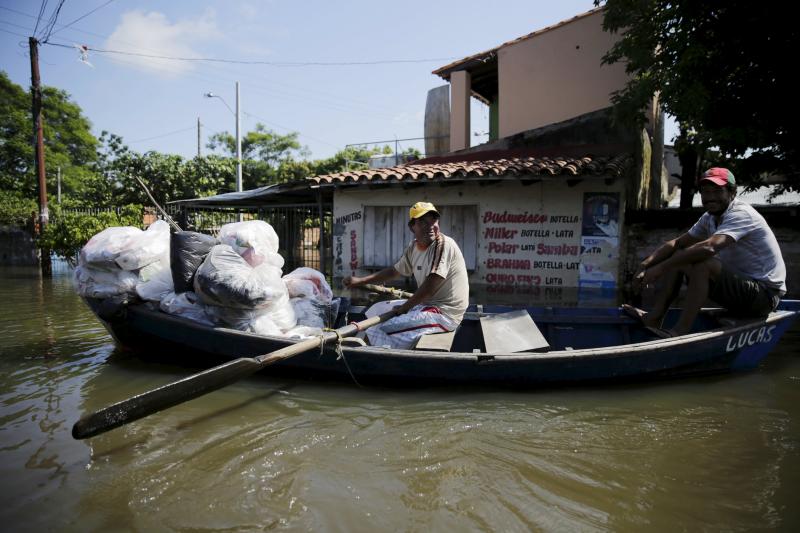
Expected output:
(442, 294)
(730, 256)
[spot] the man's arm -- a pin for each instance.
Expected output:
(376, 277)
(422, 294)
(694, 251)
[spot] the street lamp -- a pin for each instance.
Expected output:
(238, 135)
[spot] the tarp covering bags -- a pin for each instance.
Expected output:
(232, 281)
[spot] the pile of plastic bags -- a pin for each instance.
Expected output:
(234, 280)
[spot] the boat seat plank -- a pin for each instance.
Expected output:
(440, 342)
(511, 332)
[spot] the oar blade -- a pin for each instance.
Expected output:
(164, 397)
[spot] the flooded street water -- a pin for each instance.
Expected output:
(718, 453)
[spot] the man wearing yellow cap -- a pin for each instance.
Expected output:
(730, 256)
(442, 294)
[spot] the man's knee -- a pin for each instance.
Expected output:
(707, 268)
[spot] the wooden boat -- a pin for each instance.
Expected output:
(586, 345)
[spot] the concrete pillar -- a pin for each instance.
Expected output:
(460, 89)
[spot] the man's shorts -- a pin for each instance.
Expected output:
(741, 296)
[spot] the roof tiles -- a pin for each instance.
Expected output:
(517, 167)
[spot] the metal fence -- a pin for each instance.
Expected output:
(304, 236)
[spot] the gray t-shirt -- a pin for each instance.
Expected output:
(755, 253)
(442, 257)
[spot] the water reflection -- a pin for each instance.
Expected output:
(711, 454)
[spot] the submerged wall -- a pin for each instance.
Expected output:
(17, 247)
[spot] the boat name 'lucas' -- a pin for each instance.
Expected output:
(756, 336)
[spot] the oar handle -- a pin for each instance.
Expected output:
(196, 385)
(386, 290)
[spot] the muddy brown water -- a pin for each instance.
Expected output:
(705, 454)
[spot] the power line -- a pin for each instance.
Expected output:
(289, 129)
(83, 16)
(338, 103)
(39, 18)
(267, 63)
(162, 135)
(48, 29)
(13, 33)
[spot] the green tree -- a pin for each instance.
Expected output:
(68, 141)
(721, 71)
(261, 144)
(169, 177)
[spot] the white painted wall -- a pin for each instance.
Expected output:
(527, 235)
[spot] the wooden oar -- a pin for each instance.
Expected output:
(385, 290)
(204, 382)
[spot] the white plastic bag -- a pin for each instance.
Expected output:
(103, 249)
(158, 285)
(306, 282)
(252, 320)
(186, 305)
(309, 312)
(100, 283)
(146, 247)
(255, 240)
(226, 279)
(282, 313)
(303, 332)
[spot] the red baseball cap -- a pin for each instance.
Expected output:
(719, 176)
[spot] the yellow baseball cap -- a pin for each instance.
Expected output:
(420, 208)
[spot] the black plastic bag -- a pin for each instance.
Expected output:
(187, 250)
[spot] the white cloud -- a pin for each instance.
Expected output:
(153, 34)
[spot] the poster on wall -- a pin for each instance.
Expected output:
(600, 215)
(599, 241)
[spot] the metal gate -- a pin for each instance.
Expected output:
(304, 230)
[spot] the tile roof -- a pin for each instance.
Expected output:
(515, 167)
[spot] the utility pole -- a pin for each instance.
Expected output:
(36, 93)
(59, 186)
(238, 145)
(198, 136)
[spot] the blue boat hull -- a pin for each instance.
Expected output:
(588, 345)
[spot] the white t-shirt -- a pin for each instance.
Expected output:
(444, 258)
(755, 254)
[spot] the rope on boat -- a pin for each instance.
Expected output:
(339, 352)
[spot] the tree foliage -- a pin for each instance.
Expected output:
(69, 231)
(68, 141)
(261, 144)
(721, 70)
(15, 209)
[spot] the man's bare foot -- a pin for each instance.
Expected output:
(640, 316)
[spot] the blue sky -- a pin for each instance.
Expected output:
(154, 103)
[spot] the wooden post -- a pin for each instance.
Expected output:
(321, 232)
(36, 93)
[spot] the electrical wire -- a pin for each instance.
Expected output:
(51, 22)
(162, 135)
(39, 18)
(259, 62)
(82, 17)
